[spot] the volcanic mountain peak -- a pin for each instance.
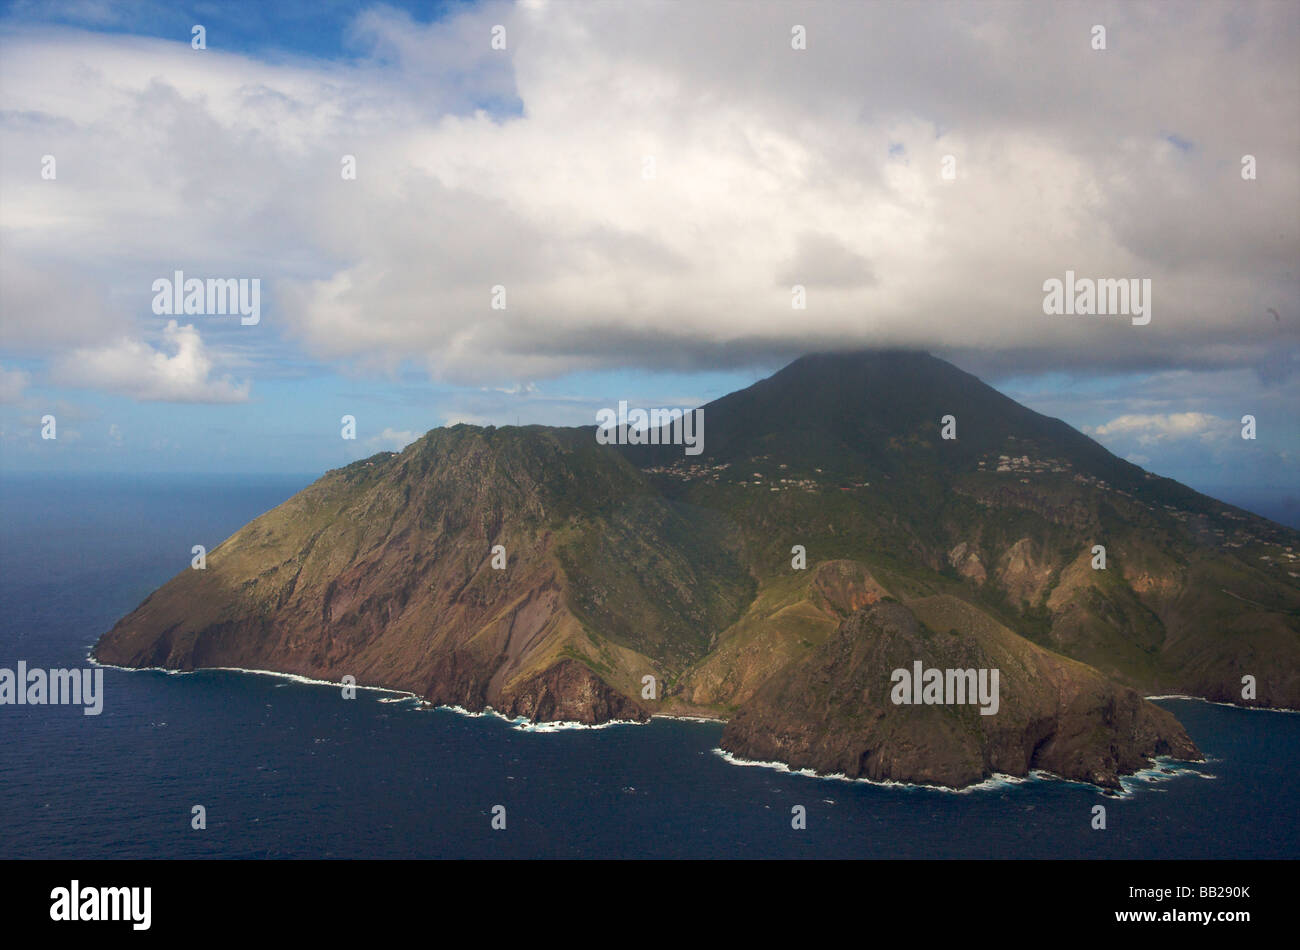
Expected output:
(883, 411)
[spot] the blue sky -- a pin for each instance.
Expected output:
(647, 182)
(253, 27)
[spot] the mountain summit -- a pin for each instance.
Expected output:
(851, 516)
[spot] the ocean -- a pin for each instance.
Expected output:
(286, 769)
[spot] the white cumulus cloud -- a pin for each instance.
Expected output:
(136, 369)
(1150, 428)
(393, 439)
(771, 167)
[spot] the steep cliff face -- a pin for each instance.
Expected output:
(545, 575)
(469, 570)
(833, 712)
(569, 692)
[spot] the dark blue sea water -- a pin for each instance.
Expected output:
(286, 769)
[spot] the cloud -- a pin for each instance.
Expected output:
(12, 384)
(393, 439)
(136, 369)
(524, 168)
(1148, 429)
(822, 261)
